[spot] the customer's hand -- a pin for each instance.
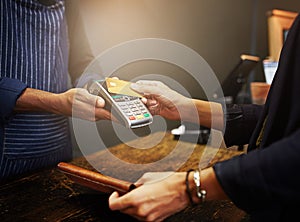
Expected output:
(163, 101)
(155, 200)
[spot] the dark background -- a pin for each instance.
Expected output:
(220, 31)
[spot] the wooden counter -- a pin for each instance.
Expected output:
(48, 195)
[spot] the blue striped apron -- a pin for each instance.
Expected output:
(34, 50)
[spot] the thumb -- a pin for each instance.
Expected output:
(100, 103)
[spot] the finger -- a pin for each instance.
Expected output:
(145, 88)
(149, 100)
(104, 114)
(100, 103)
(113, 118)
(140, 182)
(144, 100)
(154, 109)
(152, 102)
(113, 201)
(149, 82)
(117, 202)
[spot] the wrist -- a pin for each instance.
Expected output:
(210, 114)
(55, 103)
(188, 110)
(195, 189)
(208, 184)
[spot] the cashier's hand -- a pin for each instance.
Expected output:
(163, 101)
(155, 199)
(78, 102)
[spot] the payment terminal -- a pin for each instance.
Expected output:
(129, 110)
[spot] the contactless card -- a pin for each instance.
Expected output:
(118, 86)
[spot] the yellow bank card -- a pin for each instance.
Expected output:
(118, 86)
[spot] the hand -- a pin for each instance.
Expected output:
(76, 102)
(161, 100)
(80, 103)
(154, 200)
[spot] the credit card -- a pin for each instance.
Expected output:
(118, 86)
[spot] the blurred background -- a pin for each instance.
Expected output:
(220, 31)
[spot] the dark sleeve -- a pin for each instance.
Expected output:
(240, 123)
(10, 90)
(263, 176)
(80, 53)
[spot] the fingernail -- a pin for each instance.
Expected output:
(153, 102)
(144, 100)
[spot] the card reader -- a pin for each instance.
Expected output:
(129, 110)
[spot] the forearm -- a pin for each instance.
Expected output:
(263, 175)
(38, 100)
(210, 114)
